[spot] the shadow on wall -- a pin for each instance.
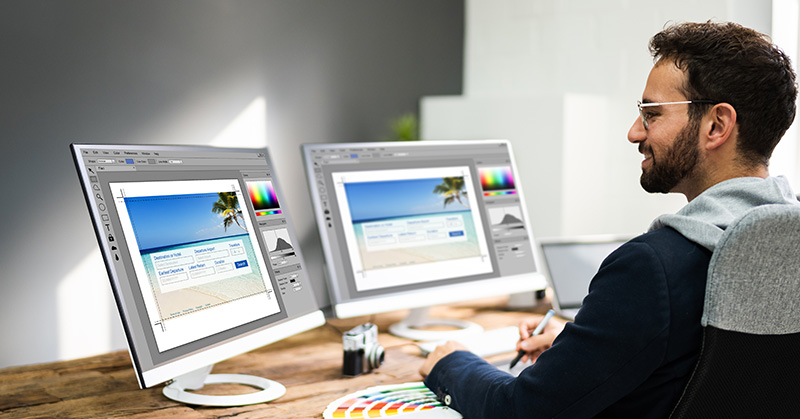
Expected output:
(155, 72)
(88, 281)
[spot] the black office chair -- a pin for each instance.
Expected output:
(749, 365)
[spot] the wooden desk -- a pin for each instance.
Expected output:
(308, 364)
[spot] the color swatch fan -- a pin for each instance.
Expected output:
(409, 400)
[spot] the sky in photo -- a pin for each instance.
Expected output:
(397, 198)
(177, 219)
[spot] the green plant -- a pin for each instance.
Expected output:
(228, 207)
(405, 128)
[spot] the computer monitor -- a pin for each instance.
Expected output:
(570, 263)
(415, 224)
(202, 260)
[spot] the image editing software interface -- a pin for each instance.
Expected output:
(199, 248)
(402, 219)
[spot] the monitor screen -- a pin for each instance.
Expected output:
(572, 262)
(414, 224)
(200, 251)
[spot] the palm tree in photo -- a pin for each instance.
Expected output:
(228, 207)
(452, 188)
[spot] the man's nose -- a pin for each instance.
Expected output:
(637, 133)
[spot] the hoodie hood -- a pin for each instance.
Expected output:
(705, 218)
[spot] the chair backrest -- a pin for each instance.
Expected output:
(754, 274)
(749, 364)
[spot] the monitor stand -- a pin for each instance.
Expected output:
(412, 327)
(195, 380)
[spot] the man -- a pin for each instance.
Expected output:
(716, 103)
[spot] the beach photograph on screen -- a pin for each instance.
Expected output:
(196, 250)
(406, 222)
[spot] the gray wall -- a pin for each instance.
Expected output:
(177, 73)
(559, 79)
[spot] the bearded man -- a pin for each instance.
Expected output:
(717, 101)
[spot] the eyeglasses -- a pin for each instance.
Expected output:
(641, 107)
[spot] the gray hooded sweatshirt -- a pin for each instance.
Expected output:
(704, 219)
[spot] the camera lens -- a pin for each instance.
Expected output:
(375, 356)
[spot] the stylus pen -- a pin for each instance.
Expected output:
(535, 332)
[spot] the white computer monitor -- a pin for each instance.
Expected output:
(415, 224)
(201, 254)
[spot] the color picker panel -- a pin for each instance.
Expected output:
(262, 195)
(272, 212)
(496, 178)
(499, 193)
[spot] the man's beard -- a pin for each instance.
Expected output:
(675, 164)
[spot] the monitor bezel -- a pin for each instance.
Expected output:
(429, 296)
(200, 358)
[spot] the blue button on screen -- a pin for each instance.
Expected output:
(240, 264)
(456, 233)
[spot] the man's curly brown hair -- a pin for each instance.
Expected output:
(726, 62)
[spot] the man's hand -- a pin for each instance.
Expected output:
(533, 346)
(440, 352)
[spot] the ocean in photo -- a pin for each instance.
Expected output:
(424, 253)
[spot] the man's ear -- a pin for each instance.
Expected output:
(718, 125)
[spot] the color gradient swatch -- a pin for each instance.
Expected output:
(260, 213)
(262, 195)
(496, 178)
(499, 193)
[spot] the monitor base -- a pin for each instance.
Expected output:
(525, 300)
(176, 390)
(412, 327)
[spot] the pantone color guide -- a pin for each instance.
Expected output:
(496, 178)
(262, 195)
(409, 400)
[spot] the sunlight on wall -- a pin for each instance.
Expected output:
(785, 16)
(84, 302)
(248, 129)
(84, 315)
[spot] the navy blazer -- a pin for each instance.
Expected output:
(628, 354)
